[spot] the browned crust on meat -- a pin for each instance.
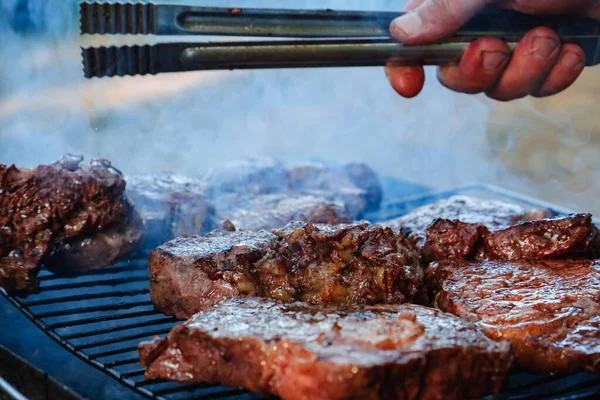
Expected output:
(51, 204)
(549, 310)
(573, 236)
(319, 264)
(303, 352)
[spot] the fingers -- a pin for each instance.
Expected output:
(566, 71)
(433, 19)
(406, 81)
(480, 68)
(531, 63)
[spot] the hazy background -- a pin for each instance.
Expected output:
(192, 121)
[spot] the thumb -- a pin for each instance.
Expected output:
(434, 20)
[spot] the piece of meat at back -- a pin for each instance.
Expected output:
(366, 179)
(549, 310)
(298, 351)
(44, 208)
(171, 206)
(249, 176)
(320, 264)
(332, 183)
(274, 211)
(492, 214)
(573, 236)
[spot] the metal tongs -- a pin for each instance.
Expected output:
(303, 38)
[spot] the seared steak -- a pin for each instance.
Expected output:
(171, 205)
(572, 236)
(489, 213)
(273, 211)
(319, 264)
(355, 185)
(299, 352)
(251, 177)
(190, 274)
(48, 210)
(549, 310)
(366, 179)
(334, 184)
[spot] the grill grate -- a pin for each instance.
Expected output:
(102, 316)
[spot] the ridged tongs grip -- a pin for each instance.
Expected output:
(336, 38)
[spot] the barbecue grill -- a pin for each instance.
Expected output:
(101, 317)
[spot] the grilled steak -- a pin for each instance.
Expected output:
(491, 214)
(549, 310)
(355, 185)
(251, 177)
(334, 184)
(189, 274)
(171, 205)
(319, 264)
(299, 352)
(366, 179)
(47, 211)
(573, 236)
(272, 211)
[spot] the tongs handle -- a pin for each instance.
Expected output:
(172, 19)
(346, 38)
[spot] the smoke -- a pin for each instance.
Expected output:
(190, 122)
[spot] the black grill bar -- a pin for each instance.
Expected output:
(140, 265)
(84, 310)
(118, 363)
(120, 339)
(180, 388)
(81, 297)
(115, 317)
(150, 382)
(113, 352)
(153, 322)
(105, 282)
(126, 315)
(134, 373)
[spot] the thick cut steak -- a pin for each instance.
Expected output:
(319, 264)
(301, 352)
(335, 184)
(190, 274)
(48, 213)
(274, 211)
(490, 213)
(574, 236)
(549, 310)
(171, 205)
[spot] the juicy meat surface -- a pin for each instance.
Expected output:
(190, 274)
(45, 210)
(573, 236)
(319, 264)
(301, 352)
(549, 310)
(274, 211)
(490, 213)
(171, 205)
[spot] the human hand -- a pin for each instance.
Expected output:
(540, 66)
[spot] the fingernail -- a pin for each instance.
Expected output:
(543, 47)
(406, 26)
(571, 60)
(492, 60)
